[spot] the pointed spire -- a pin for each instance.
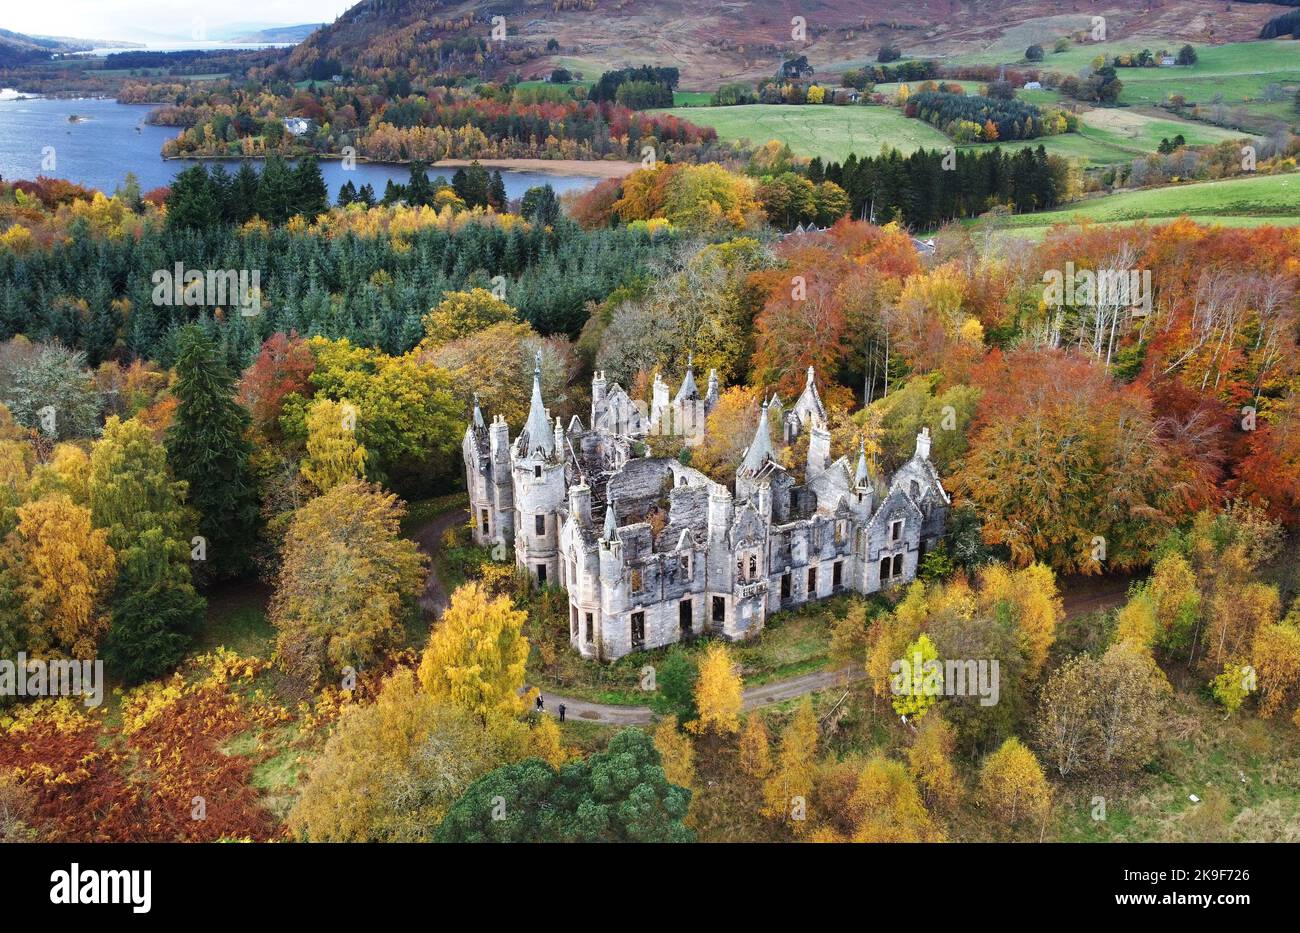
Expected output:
(538, 426)
(860, 477)
(760, 451)
(610, 522)
(688, 389)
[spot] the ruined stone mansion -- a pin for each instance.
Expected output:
(652, 552)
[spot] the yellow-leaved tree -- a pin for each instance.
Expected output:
(476, 655)
(460, 314)
(393, 768)
(755, 749)
(346, 580)
(676, 753)
(1030, 595)
(887, 806)
(786, 792)
(717, 692)
(63, 571)
(333, 455)
(1012, 787)
(930, 761)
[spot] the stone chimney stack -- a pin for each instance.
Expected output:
(923, 444)
(580, 504)
(819, 450)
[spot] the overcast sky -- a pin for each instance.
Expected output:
(134, 20)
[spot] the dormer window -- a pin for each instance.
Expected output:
(896, 530)
(537, 472)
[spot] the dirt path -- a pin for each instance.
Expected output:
(434, 598)
(1081, 595)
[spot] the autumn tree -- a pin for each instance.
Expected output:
(676, 754)
(461, 314)
(392, 769)
(1276, 659)
(1012, 788)
(333, 454)
(888, 807)
(62, 570)
(786, 791)
(156, 611)
(282, 367)
(755, 753)
(208, 450)
(1102, 714)
(476, 655)
(1030, 598)
(1066, 467)
(717, 692)
(930, 762)
(347, 580)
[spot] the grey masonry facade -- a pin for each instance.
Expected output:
(651, 551)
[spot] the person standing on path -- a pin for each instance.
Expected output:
(561, 712)
(540, 705)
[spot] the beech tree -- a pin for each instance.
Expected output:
(346, 581)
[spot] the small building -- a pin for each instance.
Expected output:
(297, 126)
(1033, 85)
(1168, 61)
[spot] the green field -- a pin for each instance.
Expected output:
(1257, 201)
(1235, 74)
(818, 130)
(834, 132)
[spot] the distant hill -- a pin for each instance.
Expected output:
(739, 39)
(17, 48)
(277, 34)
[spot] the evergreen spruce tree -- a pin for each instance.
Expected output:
(310, 194)
(243, 193)
(207, 449)
(276, 191)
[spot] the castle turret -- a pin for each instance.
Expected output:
(537, 436)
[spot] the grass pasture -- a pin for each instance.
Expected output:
(1255, 201)
(818, 130)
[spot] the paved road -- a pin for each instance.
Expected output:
(1091, 594)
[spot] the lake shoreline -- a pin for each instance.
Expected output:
(587, 168)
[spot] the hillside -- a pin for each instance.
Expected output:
(744, 39)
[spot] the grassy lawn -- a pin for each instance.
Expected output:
(791, 643)
(818, 130)
(1252, 201)
(1243, 769)
(1235, 73)
(236, 619)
